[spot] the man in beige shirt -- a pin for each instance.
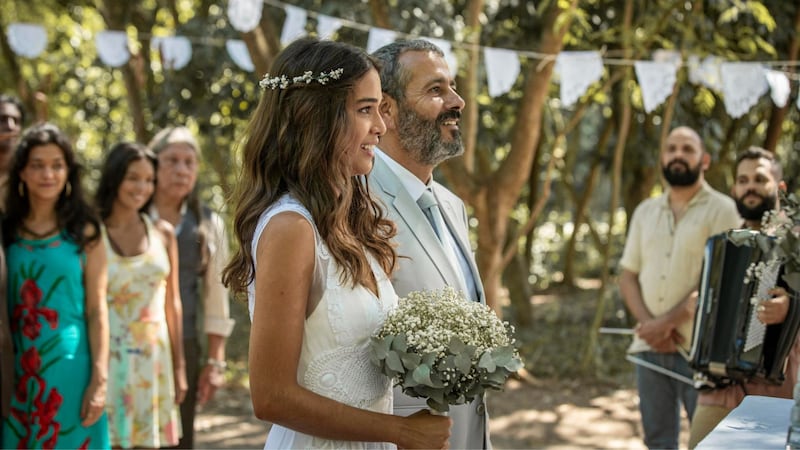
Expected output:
(661, 267)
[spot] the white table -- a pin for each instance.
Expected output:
(758, 422)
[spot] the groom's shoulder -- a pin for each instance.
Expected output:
(445, 194)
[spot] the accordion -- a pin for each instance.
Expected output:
(729, 343)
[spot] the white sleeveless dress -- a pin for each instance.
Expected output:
(334, 360)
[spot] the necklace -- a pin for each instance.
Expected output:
(36, 235)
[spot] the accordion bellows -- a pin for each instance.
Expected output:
(729, 343)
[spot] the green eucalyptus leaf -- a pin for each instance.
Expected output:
(429, 359)
(410, 360)
(380, 346)
(487, 362)
(463, 363)
(503, 355)
(399, 343)
(514, 365)
(456, 345)
(422, 375)
(393, 362)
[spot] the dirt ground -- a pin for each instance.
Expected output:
(554, 415)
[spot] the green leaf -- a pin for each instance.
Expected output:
(380, 346)
(456, 345)
(487, 362)
(422, 375)
(410, 360)
(399, 343)
(463, 363)
(503, 355)
(393, 362)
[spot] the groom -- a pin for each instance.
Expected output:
(421, 110)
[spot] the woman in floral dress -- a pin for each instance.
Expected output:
(56, 299)
(147, 378)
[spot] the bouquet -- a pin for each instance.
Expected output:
(439, 346)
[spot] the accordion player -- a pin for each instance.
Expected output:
(729, 343)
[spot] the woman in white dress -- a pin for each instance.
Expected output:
(315, 254)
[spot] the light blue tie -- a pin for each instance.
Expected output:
(427, 202)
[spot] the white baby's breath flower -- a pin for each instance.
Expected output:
(440, 346)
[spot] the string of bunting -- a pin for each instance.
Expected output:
(741, 83)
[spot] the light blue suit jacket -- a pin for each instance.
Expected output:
(423, 265)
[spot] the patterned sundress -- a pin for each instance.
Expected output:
(141, 390)
(53, 362)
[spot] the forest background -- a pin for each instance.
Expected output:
(548, 187)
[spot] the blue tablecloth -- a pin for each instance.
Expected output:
(757, 423)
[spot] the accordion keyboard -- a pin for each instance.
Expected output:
(755, 328)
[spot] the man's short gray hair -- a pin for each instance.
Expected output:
(393, 76)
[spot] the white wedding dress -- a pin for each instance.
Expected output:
(334, 361)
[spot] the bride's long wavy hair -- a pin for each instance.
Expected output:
(295, 143)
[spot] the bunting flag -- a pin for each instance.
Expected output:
(502, 69)
(295, 24)
(779, 87)
(327, 26)
(656, 80)
(27, 39)
(244, 15)
(240, 55)
(705, 72)
(378, 37)
(742, 85)
(577, 70)
(112, 47)
(176, 51)
(447, 49)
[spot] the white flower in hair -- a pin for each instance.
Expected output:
(282, 82)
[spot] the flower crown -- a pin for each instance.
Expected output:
(282, 82)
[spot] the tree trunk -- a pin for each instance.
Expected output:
(779, 114)
(504, 186)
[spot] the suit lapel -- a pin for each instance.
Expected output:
(404, 207)
(451, 213)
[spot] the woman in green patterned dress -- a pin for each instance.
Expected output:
(56, 300)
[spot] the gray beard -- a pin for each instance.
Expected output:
(423, 139)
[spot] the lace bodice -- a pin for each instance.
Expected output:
(334, 360)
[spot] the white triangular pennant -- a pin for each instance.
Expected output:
(447, 49)
(502, 69)
(327, 25)
(656, 80)
(378, 37)
(27, 39)
(705, 72)
(578, 70)
(779, 87)
(668, 56)
(742, 85)
(295, 24)
(176, 51)
(112, 47)
(244, 15)
(239, 53)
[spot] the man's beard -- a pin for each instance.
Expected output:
(423, 138)
(687, 177)
(756, 212)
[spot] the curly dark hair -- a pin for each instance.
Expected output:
(73, 212)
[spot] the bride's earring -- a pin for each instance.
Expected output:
(68, 189)
(21, 189)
